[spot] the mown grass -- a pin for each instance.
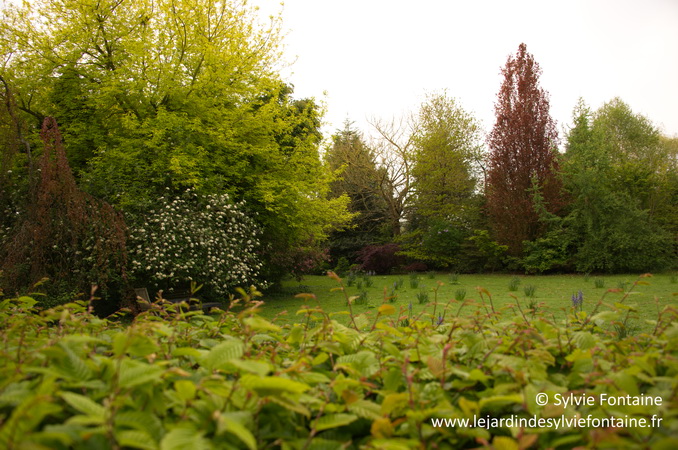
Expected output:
(551, 295)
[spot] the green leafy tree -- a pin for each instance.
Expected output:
(445, 167)
(612, 171)
(159, 94)
(447, 152)
(358, 179)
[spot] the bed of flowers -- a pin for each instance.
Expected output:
(172, 379)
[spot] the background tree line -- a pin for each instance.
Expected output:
(160, 109)
(430, 194)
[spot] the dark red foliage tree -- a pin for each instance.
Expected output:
(65, 235)
(523, 155)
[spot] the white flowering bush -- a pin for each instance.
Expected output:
(206, 239)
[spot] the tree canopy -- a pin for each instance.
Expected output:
(523, 149)
(157, 95)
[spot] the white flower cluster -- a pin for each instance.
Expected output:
(207, 239)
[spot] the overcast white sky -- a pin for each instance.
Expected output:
(378, 58)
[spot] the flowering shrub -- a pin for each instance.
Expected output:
(207, 239)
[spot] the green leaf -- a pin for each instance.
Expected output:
(333, 421)
(260, 324)
(73, 365)
(134, 373)
(222, 353)
(185, 389)
(260, 368)
(135, 439)
(229, 423)
(141, 421)
(184, 439)
(84, 404)
(365, 409)
(272, 385)
(500, 400)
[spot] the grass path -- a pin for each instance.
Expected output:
(552, 294)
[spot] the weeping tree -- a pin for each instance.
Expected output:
(65, 234)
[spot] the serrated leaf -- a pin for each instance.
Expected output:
(135, 439)
(220, 354)
(84, 404)
(134, 373)
(185, 389)
(226, 423)
(140, 420)
(365, 409)
(272, 385)
(188, 351)
(73, 365)
(291, 405)
(260, 324)
(334, 421)
(500, 399)
(394, 403)
(184, 439)
(260, 368)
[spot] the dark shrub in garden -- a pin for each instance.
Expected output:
(380, 259)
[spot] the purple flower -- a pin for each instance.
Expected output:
(440, 318)
(578, 300)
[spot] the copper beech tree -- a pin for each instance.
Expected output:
(65, 234)
(523, 155)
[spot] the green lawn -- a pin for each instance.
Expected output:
(552, 295)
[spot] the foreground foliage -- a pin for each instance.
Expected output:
(172, 379)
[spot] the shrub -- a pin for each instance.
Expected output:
(206, 239)
(380, 259)
(513, 284)
(238, 380)
(529, 290)
(343, 267)
(416, 266)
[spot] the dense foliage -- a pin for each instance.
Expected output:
(523, 154)
(152, 95)
(387, 379)
(65, 235)
(208, 240)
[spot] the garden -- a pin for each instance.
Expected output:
(188, 262)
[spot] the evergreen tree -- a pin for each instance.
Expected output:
(358, 179)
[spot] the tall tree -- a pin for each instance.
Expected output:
(158, 95)
(358, 178)
(618, 175)
(523, 153)
(447, 152)
(394, 150)
(445, 172)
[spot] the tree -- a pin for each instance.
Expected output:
(616, 173)
(394, 150)
(157, 95)
(447, 150)
(359, 180)
(445, 168)
(65, 234)
(523, 155)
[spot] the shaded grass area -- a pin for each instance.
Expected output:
(440, 294)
